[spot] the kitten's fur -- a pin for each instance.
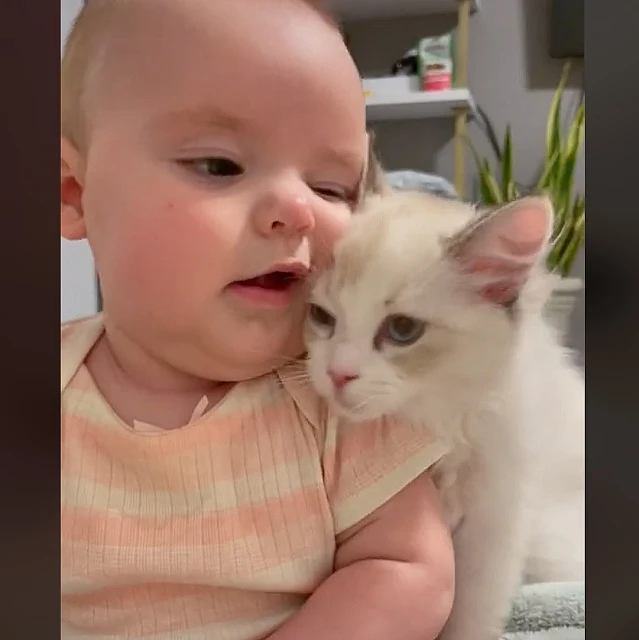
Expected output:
(488, 375)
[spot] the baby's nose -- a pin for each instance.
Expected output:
(341, 378)
(285, 213)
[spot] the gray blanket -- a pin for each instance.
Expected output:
(548, 611)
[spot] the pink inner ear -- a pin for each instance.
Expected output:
(503, 251)
(525, 230)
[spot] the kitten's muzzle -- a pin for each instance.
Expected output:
(341, 378)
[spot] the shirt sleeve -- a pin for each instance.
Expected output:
(367, 463)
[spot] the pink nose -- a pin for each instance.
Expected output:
(340, 378)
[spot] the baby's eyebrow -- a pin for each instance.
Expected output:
(346, 158)
(206, 116)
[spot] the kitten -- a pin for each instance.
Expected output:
(435, 311)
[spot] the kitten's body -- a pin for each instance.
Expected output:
(488, 375)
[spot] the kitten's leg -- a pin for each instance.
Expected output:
(490, 549)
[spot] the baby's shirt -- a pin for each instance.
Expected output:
(222, 528)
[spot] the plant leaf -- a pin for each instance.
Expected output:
(561, 235)
(507, 184)
(570, 236)
(553, 125)
(569, 255)
(580, 214)
(549, 176)
(570, 155)
(489, 185)
(489, 188)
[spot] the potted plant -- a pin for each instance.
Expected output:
(556, 181)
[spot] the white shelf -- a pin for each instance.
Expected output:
(366, 9)
(420, 104)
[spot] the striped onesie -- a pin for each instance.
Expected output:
(219, 530)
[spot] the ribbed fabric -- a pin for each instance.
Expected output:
(221, 529)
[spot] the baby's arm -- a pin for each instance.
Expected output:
(394, 576)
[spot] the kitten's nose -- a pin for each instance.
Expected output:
(341, 378)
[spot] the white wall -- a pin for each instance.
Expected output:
(78, 287)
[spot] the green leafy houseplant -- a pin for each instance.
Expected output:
(556, 181)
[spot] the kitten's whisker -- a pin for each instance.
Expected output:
(295, 378)
(301, 383)
(284, 359)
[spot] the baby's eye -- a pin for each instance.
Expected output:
(334, 194)
(215, 167)
(321, 317)
(400, 330)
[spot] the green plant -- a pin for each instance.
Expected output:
(556, 181)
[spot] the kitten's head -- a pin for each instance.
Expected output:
(423, 301)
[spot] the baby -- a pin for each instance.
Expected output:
(211, 153)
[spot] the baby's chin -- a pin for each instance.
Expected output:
(279, 352)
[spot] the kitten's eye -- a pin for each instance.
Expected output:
(215, 167)
(401, 330)
(321, 317)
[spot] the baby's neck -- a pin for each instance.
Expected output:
(141, 389)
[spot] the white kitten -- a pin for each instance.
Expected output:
(435, 311)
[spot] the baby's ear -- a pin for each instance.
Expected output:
(72, 224)
(500, 249)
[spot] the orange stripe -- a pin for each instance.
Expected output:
(166, 621)
(246, 564)
(261, 520)
(161, 608)
(227, 603)
(222, 450)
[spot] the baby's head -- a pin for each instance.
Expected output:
(206, 143)
(424, 302)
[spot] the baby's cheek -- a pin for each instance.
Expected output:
(168, 259)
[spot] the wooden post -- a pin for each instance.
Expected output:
(461, 116)
(461, 77)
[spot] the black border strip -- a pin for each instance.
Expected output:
(612, 311)
(30, 262)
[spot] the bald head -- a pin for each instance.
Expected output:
(82, 57)
(108, 38)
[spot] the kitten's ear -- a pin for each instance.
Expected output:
(374, 180)
(501, 248)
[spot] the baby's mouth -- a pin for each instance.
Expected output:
(275, 289)
(273, 281)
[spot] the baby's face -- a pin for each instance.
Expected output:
(228, 143)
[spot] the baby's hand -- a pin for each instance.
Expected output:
(394, 576)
